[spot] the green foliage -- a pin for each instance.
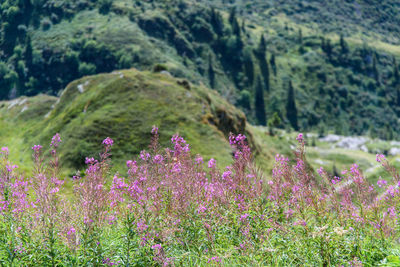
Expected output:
(87, 69)
(105, 6)
(259, 103)
(291, 109)
(275, 120)
(245, 99)
(160, 68)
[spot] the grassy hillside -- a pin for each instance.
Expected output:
(346, 84)
(123, 105)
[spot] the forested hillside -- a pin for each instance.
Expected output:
(290, 64)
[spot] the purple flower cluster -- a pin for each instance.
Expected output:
(166, 193)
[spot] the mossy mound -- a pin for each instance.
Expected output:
(124, 105)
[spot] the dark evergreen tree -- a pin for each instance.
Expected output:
(243, 28)
(232, 15)
(7, 80)
(217, 22)
(28, 52)
(398, 95)
(262, 48)
(375, 70)
(211, 72)
(259, 103)
(344, 49)
(273, 63)
(263, 64)
(236, 28)
(291, 110)
(328, 49)
(396, 74)
(300, 40)
(248, 67)
(265, 72)
(323, 43)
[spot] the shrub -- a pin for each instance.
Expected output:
(105, 6)
(87, 68)
(160, 67)
(46, 24)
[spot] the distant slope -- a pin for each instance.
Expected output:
(371, 18)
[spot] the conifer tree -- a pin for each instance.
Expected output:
(259, 103)
(291, 110)
(236, 28)
(217, 22)
(300, 40)
(300, 36)
(328, 49)
(273, 63)
(211, 72)
(262, 48)
(398, 96)
(344, 49)
(396, 74)
(323, 43)
(262, 60)
(232, 16)
(375, 70)
(248, 66)
(28, 52)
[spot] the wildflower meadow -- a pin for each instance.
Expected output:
(172, 208)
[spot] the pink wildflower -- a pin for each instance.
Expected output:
(108, 142)
(211, 163)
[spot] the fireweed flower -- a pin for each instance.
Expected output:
(89, 161)
(141, 226)
(156, 247)
(199, 159)
(244, 217)
(321, 171)
(154, 130)
(233, 140)
(180, 145)
(10, 168)
(37, 148)
(144, 155)
(56, 140)
(214, 259)
(300, 138)
(158, 159)
(71, 231)
(381, 182)
(201, 209)
(108, 142)
(4, 150)
(211, 163)
(177, 168)
(226, 174)
(380, 157)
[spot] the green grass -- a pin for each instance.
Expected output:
(124, 109)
